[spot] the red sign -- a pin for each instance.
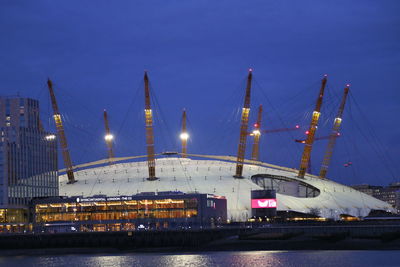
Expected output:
(263, 203)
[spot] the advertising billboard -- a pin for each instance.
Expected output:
(263, 203)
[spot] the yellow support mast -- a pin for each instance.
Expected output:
(184, 135)
(257, 133)
(311, 131)
(108, 137)
(335, 133)
(61, 135)
(243, 128)
(149, 131)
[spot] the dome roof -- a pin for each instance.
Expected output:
(216, 177)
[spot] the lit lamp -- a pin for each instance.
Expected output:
(50, 137)
(256, 132)
(108, 137)
(184, 136)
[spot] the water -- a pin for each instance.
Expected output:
(236, 258)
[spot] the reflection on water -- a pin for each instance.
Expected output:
(236, 258)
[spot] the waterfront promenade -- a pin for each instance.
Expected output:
(301, 236)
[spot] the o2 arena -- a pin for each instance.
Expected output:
(231, 177)
(215, 177)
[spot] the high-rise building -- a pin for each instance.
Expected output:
(28, 160)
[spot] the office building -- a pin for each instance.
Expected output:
(390, 194)
(28, 161)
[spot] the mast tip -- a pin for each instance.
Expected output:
(250, 70)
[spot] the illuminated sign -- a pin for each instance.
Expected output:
(96, 199)
(263, 203)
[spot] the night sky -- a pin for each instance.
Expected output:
(197, 54)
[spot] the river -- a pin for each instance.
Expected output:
(230, 258)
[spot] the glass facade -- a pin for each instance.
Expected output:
(116, 210)
(128, 212)
(13, 215)
(28, 160)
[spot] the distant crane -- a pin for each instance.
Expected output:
(335, 133)
(108, 137)
(303, 141)
(311, 132)
(296, 127)
(243, 128)
(184, 136)
(149, 131)
(61, 135)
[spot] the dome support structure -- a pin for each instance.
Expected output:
(184, 135)
(255, 154)
(305, 159)
(149, 131)
(108, 137)
(243, 128)
(61, 135)
(334, 134)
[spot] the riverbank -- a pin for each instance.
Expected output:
(273, 237)
(231, 244)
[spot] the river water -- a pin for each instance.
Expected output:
(231, 258)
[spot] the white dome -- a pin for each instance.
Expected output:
(216, 177)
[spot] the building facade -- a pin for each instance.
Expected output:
(28, 160)
(389, 194)
(156, 211)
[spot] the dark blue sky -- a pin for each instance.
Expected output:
(197, 54)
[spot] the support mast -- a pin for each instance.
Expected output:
(184, 135)
(335, 133)
(311, 131)
(243, 128)
(108, 137)
(149, 131)
(61, 134)
(257, 134)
